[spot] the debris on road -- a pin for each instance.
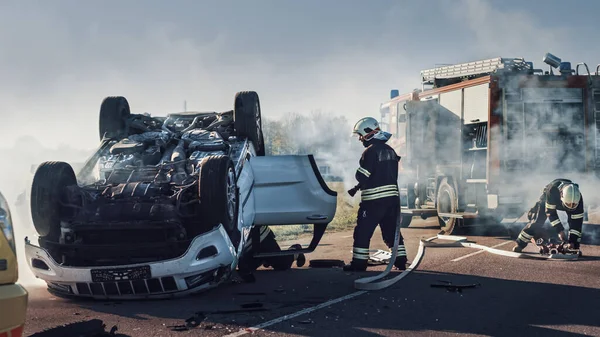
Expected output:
(91, 328)
(196, 320)
(252, 305)
(326, 263)
(457, 288)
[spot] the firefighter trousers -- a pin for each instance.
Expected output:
(383, 212)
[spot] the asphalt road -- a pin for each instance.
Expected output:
(515, 297)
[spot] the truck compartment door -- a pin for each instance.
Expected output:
(433, 134)
(289, 190)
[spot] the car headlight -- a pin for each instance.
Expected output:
(6, 224)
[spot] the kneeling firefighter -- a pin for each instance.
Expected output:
(377, 177)
(558, 195)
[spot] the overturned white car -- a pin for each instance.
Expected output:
(170, 205)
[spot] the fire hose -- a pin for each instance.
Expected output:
(458, 241)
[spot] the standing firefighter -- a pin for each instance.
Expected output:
(559, 195)
(377, 178)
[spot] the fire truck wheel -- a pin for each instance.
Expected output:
(447, 202)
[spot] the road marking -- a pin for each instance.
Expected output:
(296, 314)
(481, 251)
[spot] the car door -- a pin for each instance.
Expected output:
(290, 190)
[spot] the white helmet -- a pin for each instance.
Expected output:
(366, 127)
(570, 195)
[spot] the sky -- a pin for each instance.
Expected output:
(60, 58)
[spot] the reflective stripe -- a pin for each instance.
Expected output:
(574, 232)
(577, 216)
(379, 189)
(555, 222)
(360, 256)
(550, 206)
(527, 236)
(381, 195)
(363, 171)
(401, 251)
(361, 250)
(522, 238)
(360, 253)
(380, 192)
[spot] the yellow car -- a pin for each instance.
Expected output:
(13, 297)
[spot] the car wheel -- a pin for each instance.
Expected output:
(49, 182)
(219, 197)
(247, 118)
(114, 112)
(447, 202)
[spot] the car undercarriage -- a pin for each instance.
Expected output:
(139, 196)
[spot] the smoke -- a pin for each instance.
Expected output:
(326, 136)
(15, 183)
(548, 136)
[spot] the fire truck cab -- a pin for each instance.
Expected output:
(480, 140)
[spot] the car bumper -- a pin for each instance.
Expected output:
(208, 261)
(13, 309)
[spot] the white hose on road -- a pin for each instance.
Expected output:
(459, 241)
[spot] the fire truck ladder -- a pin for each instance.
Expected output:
(470, 69)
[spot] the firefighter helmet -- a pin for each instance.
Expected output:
(366, 127)
(570, 195)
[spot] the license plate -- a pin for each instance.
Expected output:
(121, 274)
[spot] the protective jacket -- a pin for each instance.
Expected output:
(553, 204)
(377, 173)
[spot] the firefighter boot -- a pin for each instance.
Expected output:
(299, 258)
(356, 265)
(517, 248)
(401, 262)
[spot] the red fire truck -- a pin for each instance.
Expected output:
(480, 140)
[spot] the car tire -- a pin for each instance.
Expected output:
(247, 119)
(114, 112)
(218, 194)
(49, 182)
(447, 202)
